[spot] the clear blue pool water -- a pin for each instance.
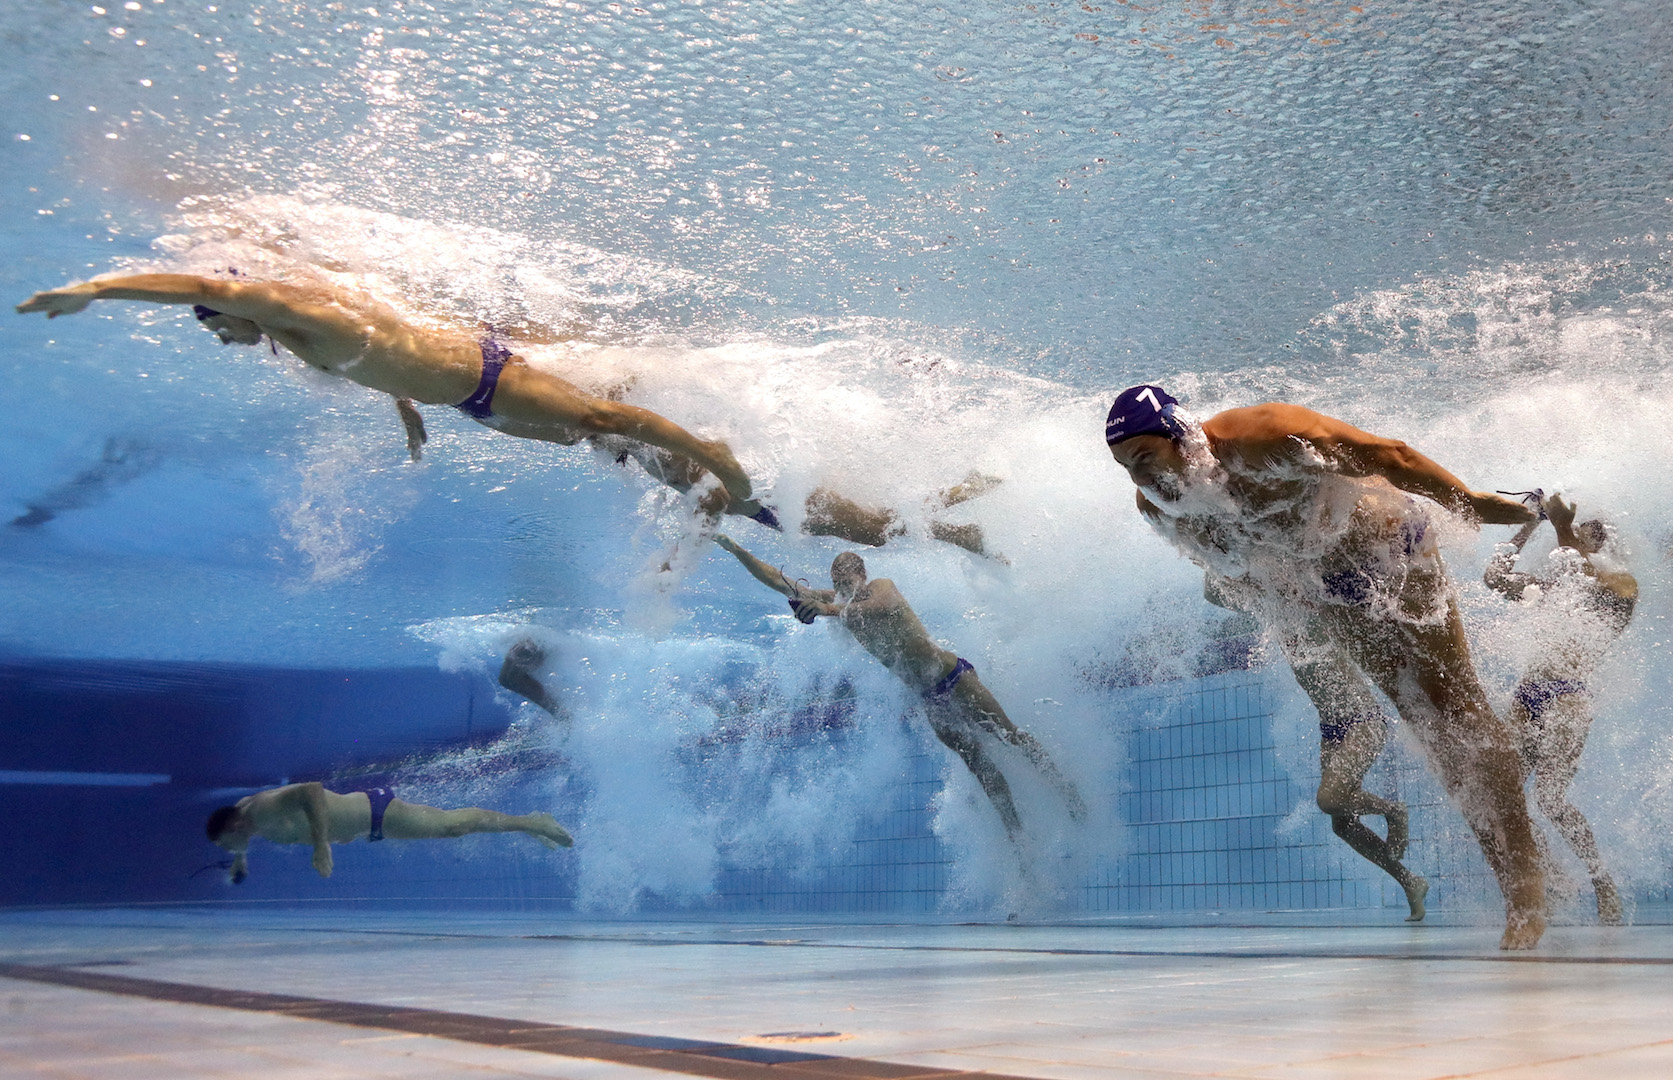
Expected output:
(874, 246)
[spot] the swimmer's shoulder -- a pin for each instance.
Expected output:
(1257, 430)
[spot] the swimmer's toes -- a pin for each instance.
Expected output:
(1415, 893)
(1522, 931)
(552, 834)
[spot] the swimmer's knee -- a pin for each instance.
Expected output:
(1332, 801)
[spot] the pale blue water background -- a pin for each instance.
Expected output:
(879, 245)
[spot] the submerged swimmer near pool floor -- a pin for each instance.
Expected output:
(309, 814)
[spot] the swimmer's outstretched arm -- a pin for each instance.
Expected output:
(1262, 434)
(769, 576)
(309, 317)
(249, 301)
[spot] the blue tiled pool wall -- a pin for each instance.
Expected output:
(1218, 795)
(1216, 811)
(1214, 804)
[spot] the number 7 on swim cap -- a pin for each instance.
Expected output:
(1142, 410)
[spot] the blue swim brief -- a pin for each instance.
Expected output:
(380, 798)
(1335, 731)
(944, 688)
(481, 403)
(1358, 586)
(1536, 697)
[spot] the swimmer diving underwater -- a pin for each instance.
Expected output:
(368, 342)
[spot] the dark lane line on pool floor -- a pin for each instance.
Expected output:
(1176, 954)
(693, 1057)
(1494, 957)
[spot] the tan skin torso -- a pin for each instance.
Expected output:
(369, 343)
(278, 816)
(886, 626)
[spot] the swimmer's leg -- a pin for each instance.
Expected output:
(831, 514)
(529, 402)
(977, 706)
(969, 537)
(1426, 671)
(1342, 768)
(415, 821)
(1567, 721)
(972, 486)
(964, 741)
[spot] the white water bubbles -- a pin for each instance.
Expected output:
(345, 494)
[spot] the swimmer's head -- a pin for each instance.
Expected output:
(1142, 410)
(1155, 440)
(231, 329)
(230, 828)
(1590, 537)
(225, 825)
(848, 574)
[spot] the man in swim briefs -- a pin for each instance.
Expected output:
(309, 814)
(1352, 733)
(369, 343)
(1319, 517)
(959, 707)
(1581, 606)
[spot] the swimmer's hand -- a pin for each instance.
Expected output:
(726, 543)
(808, 610)
(414, 422)
(56, 302)
(1560, 512)
(322, 859)
(1498, 510)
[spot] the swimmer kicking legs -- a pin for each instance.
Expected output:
(1551, 709)
(1352, 733)
(958, 706)
(1256, 485)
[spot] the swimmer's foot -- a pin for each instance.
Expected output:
(969, 537)
(1076, 804)
(972, 486)
(1398, 833)
(545, 828)
(1523, 929)
(1608, 901)
(726, 469)
(1416, 890)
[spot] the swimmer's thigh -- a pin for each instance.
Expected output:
(538, 405)
(977, 707)
(414, 821)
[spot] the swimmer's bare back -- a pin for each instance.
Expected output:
(369, 343)
(1261, 438)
